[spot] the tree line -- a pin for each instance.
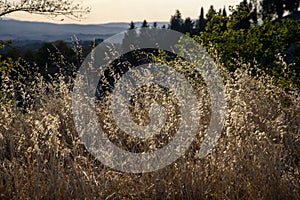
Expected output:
(256, 10)
(251, 33)
(254, 33)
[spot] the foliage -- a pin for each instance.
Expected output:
(6, 65)
(176, 22)
(51, 58)
(243, 19)
(268, 45)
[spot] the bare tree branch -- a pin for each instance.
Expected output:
(44, 7)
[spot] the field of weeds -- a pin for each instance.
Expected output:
(257, 156)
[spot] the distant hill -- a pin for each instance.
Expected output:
(41, 31)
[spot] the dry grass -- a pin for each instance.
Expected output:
(257, 157)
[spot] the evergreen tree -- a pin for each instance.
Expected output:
(220, 11)
(224, 19)
(253, 9)
(201, 14)
(211, 13)
(200, 23)
(145, 24)
(254, 16)
(131, 26)
(176, 22)
(224, 13)
(188, 26)
(241, 16)
(209, 17)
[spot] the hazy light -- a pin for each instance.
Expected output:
(103, 11)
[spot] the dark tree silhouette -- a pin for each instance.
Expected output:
(200, 23)
(254, 14)
(188, 26)
(201, 14)
(145, 24)
(242, 16)
(224, 20)
(211, 12)
(131, 26)
(224, 13)
(176, 22)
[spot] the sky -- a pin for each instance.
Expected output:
(105, 11)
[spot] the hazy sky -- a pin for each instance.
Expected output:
(103, 11)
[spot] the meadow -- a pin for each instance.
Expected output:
(257, 156)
